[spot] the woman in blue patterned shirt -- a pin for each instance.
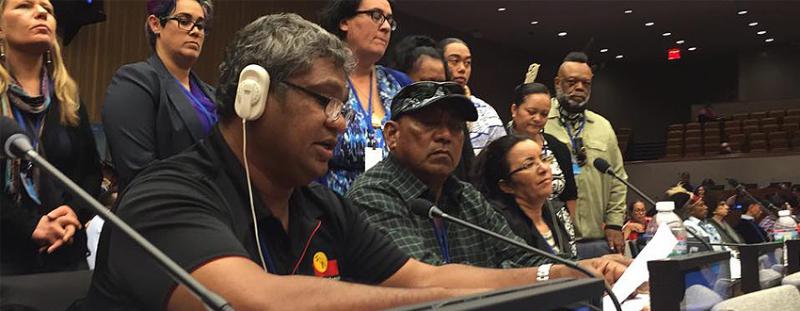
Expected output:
(366, 27)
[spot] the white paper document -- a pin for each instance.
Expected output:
(659, 247)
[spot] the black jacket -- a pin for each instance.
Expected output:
(72, 150)
(521, 226)
(147, 116)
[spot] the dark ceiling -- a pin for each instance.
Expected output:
(710, 26)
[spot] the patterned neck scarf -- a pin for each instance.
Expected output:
(573, 119)
(29, 112)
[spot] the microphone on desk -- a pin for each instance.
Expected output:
(427, 209)
(604, 167)
(17, 145)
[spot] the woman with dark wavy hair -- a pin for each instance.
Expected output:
(156, 108)
(42, 221)
(514, 176)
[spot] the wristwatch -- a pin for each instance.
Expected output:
(543, 273)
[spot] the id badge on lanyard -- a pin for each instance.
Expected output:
(372, 153)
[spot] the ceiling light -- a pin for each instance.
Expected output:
(501, 9)
(769, 40)
(666, 34)
(753, 24)
(692, 48)
(648, 24)
(603, 50)
(562, 34)
(619, 56)
(742, 12)
(680, 42)
(762, 32)
(628, 11)
(534, 22)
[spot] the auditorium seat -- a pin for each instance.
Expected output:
(711, 132)
(674, 151)
(740, 116)
(693, 150)
(675, 134)
(793, 112)
(768, 128)
(692, 126)
(758, 145)
(758, 115)
(791, 119)
(776, 114)
(770, 299)
(675, 127)
(711, 125)
(694, 140)
(750, 122)
(692, 133)
(750, 129)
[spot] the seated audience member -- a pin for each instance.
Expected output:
(637, 221)
(529, 116)
(159, 107)
(748, 228)
(488, 126)
(366, 27)
(197, 206)
(41, 226)
(418, 57)
(424, 138)
(707, 114)
(726, 232)
(695, 220)
(517, 179)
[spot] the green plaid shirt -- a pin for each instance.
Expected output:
(383, 193)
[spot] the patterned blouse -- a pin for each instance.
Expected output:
(348, 156)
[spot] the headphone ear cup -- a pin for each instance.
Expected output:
(252, 92)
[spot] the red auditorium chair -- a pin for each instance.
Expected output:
(778, 114)
(675, 134)
(693, 150)
(758, 115)
(692, 126)
(758, 145)
(750, 122)
(793, 112)
(778, 142)
(675, 127)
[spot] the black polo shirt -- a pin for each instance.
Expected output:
(194, 207)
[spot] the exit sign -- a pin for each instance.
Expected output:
(673, 54)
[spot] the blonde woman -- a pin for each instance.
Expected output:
(41, 221)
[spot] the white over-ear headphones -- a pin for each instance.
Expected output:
(251, 94)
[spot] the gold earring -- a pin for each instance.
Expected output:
(2, 50)
(48, 57)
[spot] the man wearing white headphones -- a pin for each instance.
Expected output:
(239, 210)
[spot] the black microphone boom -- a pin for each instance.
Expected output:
(602, 165)
(427, 209)
(19, 146)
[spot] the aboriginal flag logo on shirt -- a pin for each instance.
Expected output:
(324, 267)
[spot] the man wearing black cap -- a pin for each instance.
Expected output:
(425, 136)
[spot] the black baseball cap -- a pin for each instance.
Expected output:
(419, 95)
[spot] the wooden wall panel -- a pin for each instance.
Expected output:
(98, 50)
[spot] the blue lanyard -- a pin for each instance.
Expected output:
(370, 130)
(441, 237)
(35, 131)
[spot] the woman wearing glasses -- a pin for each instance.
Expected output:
(529, 116)
(518, 180)
(366, 27)
(41, 221)
(157, 108)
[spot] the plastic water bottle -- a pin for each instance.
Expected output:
(785, 229)
(665, 214)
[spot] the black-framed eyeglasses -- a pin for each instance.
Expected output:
(532, 164)
(334, 108)
(186, 22)
(378, 17)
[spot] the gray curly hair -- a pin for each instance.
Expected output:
(281, 43)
